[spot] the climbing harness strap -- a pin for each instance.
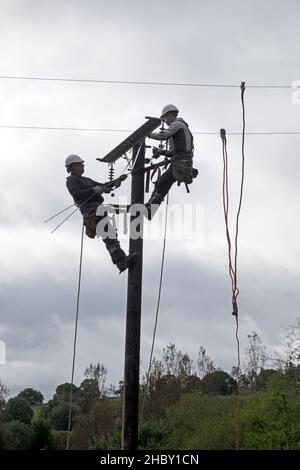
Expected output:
(147, 183)
(155, 175)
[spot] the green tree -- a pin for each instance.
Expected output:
(119, 392)
(16, 435)
(151, 436)
(62, 396)
(1, 440)
(82, 432)
(100, 428)
(271, 421)
(166, 381)
(105, 420)
(256, 358)
(89, 394)
(3, 394)
(192, 384)
(42, 437)
(292, 344)
(166, 392)
(59, 416)
(292, 375)
(97, 372)
(243, 378)
(62, 393)
(34, 397)
(218, 383)
(264, 377)
(205, 363)
(176, 363)
(19, 409)
(199, 421)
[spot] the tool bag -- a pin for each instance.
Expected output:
(90, 219)
(90, 223)
(182, 168)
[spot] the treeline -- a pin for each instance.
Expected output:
(182, 405)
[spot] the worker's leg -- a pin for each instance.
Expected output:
(165, 182)
(162, 187)
(109, 236)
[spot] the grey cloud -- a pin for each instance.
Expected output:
(195, 309)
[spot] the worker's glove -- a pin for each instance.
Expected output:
(119, 180)
(98, 189)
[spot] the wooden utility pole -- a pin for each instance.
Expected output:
(133, 313)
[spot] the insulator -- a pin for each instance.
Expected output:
(111, 172)
(162, 130)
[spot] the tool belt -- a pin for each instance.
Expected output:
(90, 223)
(90, 219)
(182, 168)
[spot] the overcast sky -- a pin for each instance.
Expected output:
(171, 41)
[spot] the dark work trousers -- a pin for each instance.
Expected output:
(111, 240)
(165, 182)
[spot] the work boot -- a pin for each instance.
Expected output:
(127, 262)
(155, 200)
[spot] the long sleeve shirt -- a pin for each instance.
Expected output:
(81, 188)
(179, 136)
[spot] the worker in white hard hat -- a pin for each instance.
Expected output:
(181, 148)
(87, 195)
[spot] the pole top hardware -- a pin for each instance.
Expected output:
(134, 138)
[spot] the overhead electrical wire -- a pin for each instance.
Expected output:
(91, 129)
(141, 82)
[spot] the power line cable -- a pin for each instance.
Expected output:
(130, 130)
(75, 339)
(157, 308)
(140, 82)
(47, 128)
(160, 284)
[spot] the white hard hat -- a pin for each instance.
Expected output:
(168, 108)
(73, 159)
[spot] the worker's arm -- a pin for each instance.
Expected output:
(166, 133)
(109, 185)
(78, 193)
(81, 192)
(114, 183)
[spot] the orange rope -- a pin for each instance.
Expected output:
(233, 270)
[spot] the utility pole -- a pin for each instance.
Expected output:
(133, 313)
